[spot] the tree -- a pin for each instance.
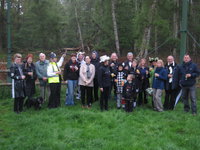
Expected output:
(115, 27)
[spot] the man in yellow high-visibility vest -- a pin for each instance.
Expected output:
(54, 79)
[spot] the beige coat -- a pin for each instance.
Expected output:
(83, 75)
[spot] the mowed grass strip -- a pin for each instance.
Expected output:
(77, 128)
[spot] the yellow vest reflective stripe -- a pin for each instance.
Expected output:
(54, 79)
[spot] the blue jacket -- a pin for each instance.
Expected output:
(188, 68)
(159, 82)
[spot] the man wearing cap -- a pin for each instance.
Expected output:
(41, 71)
(54, 79)
(104, 78)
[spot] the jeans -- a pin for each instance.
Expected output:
(70, 92)
(186, 91)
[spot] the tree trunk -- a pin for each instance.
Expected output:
(2, 25)
(156, 40)
(147, 32)
(175, 24)
(79, 27)
(115, 27)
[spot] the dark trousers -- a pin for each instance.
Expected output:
(114, 88)
(186, 91)
(142, 99)
(129, 106)
(54, 99)
(18, 104)
(170, 97)
(86, 91)
(104, 98)
(95, 97)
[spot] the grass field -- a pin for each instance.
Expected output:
(76, 128)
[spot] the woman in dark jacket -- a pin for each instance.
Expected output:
(145, 75)
(71, 75)
(30, 73)
(18, 86)
(104, 78)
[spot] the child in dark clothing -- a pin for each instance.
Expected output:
(129, 93)
(119, 81)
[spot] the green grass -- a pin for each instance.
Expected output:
(77, 128)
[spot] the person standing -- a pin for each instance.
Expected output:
(95, 62)
(113, 69)
(134, 70)
(129, 93)
(119, 81)
(160, 76)
(30, 73)
(41, 71)
(18, 85)
(71, 75)
(87, 73)
(172, 83)
(54, 79)
(128, 63)
(145, 75)
(104, 78)
(188, 72)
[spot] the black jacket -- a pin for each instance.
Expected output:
(144, 80)
(175, 77)
(18, 85)
(129, 91)
(104, 76)
(30, 81)
(188, 68)
(69, 72)
(126, 64)
(96, 63)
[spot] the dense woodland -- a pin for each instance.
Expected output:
(143, 26)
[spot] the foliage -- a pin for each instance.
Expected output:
(51, 24)
(77, 128)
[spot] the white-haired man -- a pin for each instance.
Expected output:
(127, 64)
(41, 70)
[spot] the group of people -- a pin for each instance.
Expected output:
(132, 82)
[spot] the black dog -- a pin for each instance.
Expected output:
(35, 102)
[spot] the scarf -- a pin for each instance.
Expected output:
(88, 71)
